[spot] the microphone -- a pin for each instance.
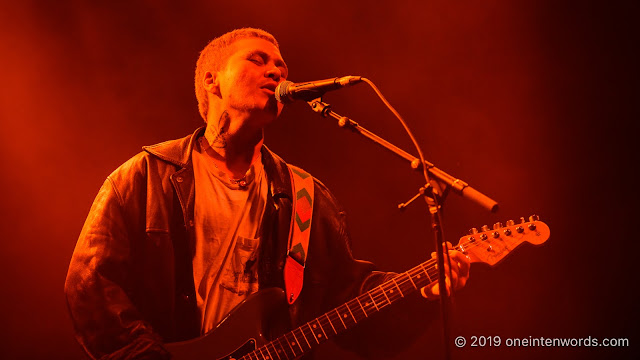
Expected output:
(288, 92)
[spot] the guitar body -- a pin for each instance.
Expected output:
(246, 328)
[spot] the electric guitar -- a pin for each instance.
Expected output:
(245, 334)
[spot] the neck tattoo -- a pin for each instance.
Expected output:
(219, 133)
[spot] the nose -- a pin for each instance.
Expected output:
(274, 73)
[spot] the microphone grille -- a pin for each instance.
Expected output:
(282, 91)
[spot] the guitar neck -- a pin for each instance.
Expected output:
(488, 246)
(306, 337)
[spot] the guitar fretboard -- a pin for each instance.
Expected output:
(304, 338)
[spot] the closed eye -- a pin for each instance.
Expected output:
(256, 60)
(260, 58)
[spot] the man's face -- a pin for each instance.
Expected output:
(248, 80)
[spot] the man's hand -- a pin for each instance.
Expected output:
(459, 274)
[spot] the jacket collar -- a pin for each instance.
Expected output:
(277, 173)
(179, 151)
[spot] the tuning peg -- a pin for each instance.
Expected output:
(473, 231)
(497, 226)
(484, 228)
(522, 220)
(510, 222)
(533, 218)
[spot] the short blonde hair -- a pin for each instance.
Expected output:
(214, 56)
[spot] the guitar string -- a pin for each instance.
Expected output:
(469, 244)
(466, 245)
(379, 297)
(376, 296)
(373, 297)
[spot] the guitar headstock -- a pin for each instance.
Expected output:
(492, 245)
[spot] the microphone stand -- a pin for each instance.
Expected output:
(432, 194)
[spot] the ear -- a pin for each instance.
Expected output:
(211, 83)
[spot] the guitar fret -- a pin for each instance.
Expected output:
(266, 349)
(363, 310)
(305, 338)
(330, 323)
(394, 281)
(336, 317)
(393, 291)
(426, 272)
(358, 311)
(339, 317)
(380, 298)
(406, 284)
(367, 303)
(294, 343)
(276, 350)
(314, 335)
(287, 341)
(371, 304)
(418, 276)
(385, 295)
(354, 318)
(321, 328)
(374, 302)
(263, 356)
(409, 276)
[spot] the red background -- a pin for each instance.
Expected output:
(531, 102)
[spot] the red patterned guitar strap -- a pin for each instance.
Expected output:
(302, 212)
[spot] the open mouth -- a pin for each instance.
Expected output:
(270, 87)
